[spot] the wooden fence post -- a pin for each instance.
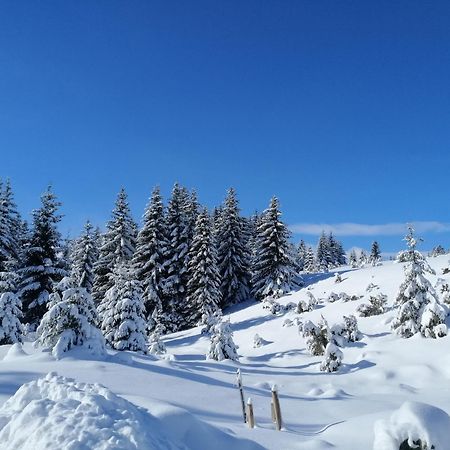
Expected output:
(276, 408)
(250, 415)
(241, 390)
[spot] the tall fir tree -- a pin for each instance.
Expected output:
(10, 228)
(273, 269)
(175, 267)
(41, 267)
(122, 312)
(117, 245)
(375, 254)
(149, 258)
(11, 329)
(310, 261)
(203, 288)
(84, 257)
(419, 309)
(233, 253)
(323, 255)
(301, 254)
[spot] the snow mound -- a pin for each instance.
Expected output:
(413, 421)
(57, 413)
(14, 352)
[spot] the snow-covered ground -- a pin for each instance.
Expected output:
(194, 402)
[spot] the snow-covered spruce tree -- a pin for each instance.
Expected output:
(203, 292)
(377, 305)
(332, 358)
(437, 251)
(323, 254)
(307, 305)
(375, 254)
(11, 329)
(192, 208)
(10, 229)
(40, 268)
(301, 255)
(70, 322)
(419, 309)
(148, 259)
(233, 253)
(310, 261)
(117, 246)
(222, 345)
(84, 257)
(273, 269)
(353, 259)
(176, 256)
(155, 344)
(316, 336)
(362, 261)
(337, 254)
(122, 312)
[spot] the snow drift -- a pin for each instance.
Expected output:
(55, 412)
(413, 422)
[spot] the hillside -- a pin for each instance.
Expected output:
(197, 403)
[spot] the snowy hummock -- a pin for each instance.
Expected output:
(58, 412)
(414, 422)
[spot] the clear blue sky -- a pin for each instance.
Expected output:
(341, 109)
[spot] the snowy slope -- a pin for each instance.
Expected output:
(188, 394)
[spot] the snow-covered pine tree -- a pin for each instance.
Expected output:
(353, 259)
(11, 329)
(156, 345)
(148, 260)
(323, 255)
(316, 336)
(70, 322)
(233, 253)
(192, 207)
(332, 358)
(310, 261)
(301, 255)
(175, 265)
(117, 246)
(40, 268)
(10, 229)
(122, 312)
(419, 309)
(338, 257)
(362, 261)
(375, 254)
(222, 345)
(203, 288)
(273, 269)
(84, 257)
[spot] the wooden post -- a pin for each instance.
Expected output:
(276, 408)
(241, 390)
(250, 416)
(272, 411)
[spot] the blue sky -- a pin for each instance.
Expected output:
(341, 109)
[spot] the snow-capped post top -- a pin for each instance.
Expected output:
(249, 401)
(274, 388)
(239, 377)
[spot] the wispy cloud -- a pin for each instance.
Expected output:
(361, 229)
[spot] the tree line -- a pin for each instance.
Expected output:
(181, 267)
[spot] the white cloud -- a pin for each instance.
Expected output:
(361, 229)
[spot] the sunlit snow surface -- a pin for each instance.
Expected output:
(194, 402)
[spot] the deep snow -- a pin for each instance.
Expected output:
(195, 401)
